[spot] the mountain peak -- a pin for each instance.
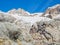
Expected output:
(52, 11)
(55, 6)
(18, 11)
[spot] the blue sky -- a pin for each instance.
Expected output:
(31, 6)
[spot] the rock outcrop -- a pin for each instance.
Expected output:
(52, 11)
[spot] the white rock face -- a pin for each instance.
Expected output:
(19, 12)
(19, 27)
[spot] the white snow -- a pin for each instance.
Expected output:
(46, 14)
(30, 19)
(37, 14)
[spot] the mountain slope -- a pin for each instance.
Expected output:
(19, 27)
